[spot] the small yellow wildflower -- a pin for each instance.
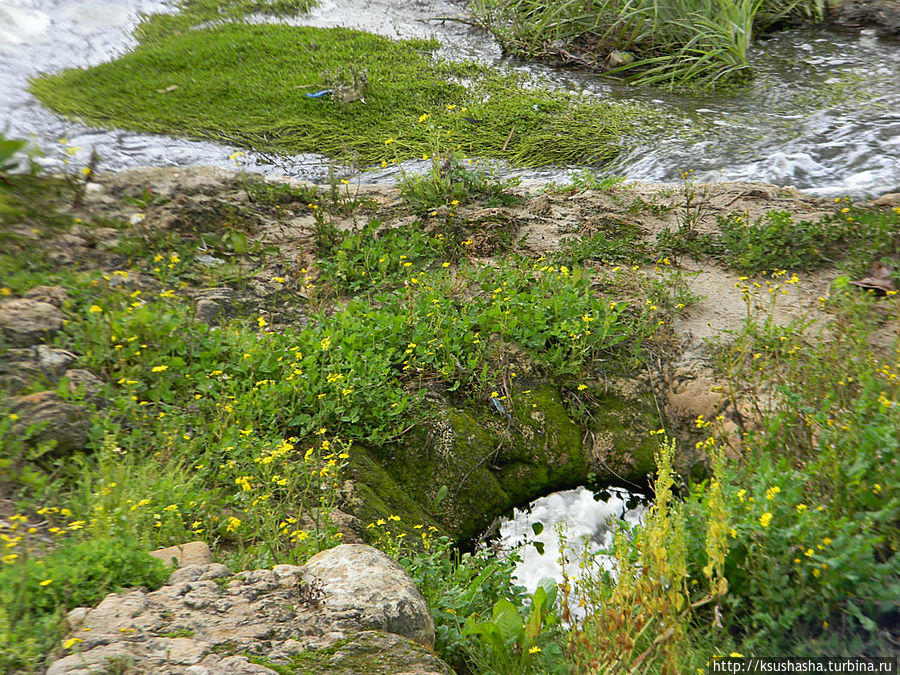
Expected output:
(765, 519)
(159, 369)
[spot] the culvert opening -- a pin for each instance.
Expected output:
(572, 524)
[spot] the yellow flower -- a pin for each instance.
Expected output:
(46, 582)
(325, 344)
(765, 519)
(5, 291)
(71, 642)
(10, 558)
(261, 322)
(534, 650)
(96, 309)
(740, 495)
(582, 387)
(233, 524)
(159, 369)
(801, 508)
(389, 141)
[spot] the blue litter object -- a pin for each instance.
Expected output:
(319, 94)
(499, 406)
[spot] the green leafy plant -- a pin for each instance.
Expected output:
(508, 644)
(454, 180)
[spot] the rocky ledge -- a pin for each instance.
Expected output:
(350, 609)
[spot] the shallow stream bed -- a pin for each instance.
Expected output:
(823, 113)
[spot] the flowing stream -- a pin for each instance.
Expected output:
(823, 113)
(575, 522)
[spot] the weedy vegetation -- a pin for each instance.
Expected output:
(647, 42)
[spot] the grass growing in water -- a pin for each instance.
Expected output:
(247, 85)
(649, 41)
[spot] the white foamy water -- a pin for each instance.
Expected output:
(588, 525)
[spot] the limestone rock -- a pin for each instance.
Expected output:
(377, 652)
(52, 295)
(208, 310)
(364, 587)
(25, 321)
(191, 553)
(21, 368)
(81, 380)
(65, 424)
(889, 199)
(207, 621)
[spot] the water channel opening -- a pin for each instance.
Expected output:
(584, 519)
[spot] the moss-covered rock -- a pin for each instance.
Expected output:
(484, 461)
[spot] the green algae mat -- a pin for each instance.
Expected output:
(250, 85)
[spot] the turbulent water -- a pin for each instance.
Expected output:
(823, 113)
(586, 521)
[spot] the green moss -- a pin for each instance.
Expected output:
(370, 652)
(620, 446)
(379, 494)
(491, 461)
(248, 85)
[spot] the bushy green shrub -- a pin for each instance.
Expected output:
(36, 591)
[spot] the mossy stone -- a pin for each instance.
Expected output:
(494, 457)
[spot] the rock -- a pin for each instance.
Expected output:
(191, 553)
(25, 321)
(208, 311)
(75, 618)
(377, 652)
(881, 15)
(53, 361)
(84, 382)
(22, 368)
(52, 295)
(889, 199)
(198, 625)
(363, 587)
(64, 424)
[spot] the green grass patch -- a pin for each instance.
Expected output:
(854, 236)
(37, 589)
(676, 42)
(248, 85)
